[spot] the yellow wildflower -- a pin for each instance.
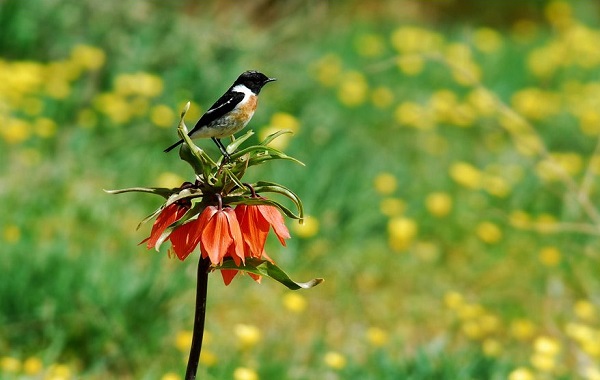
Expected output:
(162, 115)
(488, 232)
(438, 204)
(243, 373)
(335, 360)
(401, 232)
(385, 183)
(308, 229)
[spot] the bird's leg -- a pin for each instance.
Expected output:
(221, 148)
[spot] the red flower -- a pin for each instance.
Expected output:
(255, 222)
(167, 216)
(216, 230)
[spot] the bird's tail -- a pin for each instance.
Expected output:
(173, 146)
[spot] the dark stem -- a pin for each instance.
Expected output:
(199, 317)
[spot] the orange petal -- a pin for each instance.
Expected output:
(187, 236)
(236, 233)
(275, 219)
(228, 275)
(167, 216)
(216, 237)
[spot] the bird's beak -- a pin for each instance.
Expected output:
(270, 80)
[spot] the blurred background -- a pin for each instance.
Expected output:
(451, 185)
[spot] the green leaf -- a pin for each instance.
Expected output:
(162, 191)
(266, 151)
(235, 200)
(268, 269)
(237, 142)
(272, 187)
(275, 135)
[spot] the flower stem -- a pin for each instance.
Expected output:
(199, 317)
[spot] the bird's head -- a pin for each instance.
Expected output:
(254, 80)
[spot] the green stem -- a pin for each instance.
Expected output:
(199, 317)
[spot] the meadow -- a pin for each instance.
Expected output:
(450, 187)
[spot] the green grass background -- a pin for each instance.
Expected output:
(82, 297)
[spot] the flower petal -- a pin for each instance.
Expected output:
(216, 237)
(187, 236)
(275, 219)
(236, 233)
(228, 275)
(167, 216)
(255, 229)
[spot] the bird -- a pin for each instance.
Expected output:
(231, 112)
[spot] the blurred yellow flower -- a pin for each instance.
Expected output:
(550, 256)
(140, 83)
(248, 335)
(438, 204)
(443, 102)
(585, 310)
(208, 358)
(472, 330)
(410, 64)
(294, 302)
(589, 122)
(183, 340)
(488, 232)
(15, 131)
(59, 372)
(308, 229)
(369, 45)
(382, 97)
(496, 185)
(553, 167)
(411, 39)
(470, 311)
(558, 13)
(385, 183)
(280, 121)
(522, 329)
(335, 360)
(413, 115)
(44, 127)
(483, 102)
(10, 364)
(401, 232)
(454, 300)
(11, 234)
(466, 175)
(162, 116)
(139, 105)
(57, 88)
(490, 323)
(377, 337)
(491, 347)
(536, 104)
(544, 61)
(328, 70)
(193, 114)
(32, 366)
(88, 57)
(521, 373)
(353, 89)
(170, 376)
(114, 106)
(546, 345)
(243, 373)
(543, 363)
(487, 40)
(392, 206)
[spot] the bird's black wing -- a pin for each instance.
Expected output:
(225, 104)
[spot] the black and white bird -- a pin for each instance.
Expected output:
(232, 112)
